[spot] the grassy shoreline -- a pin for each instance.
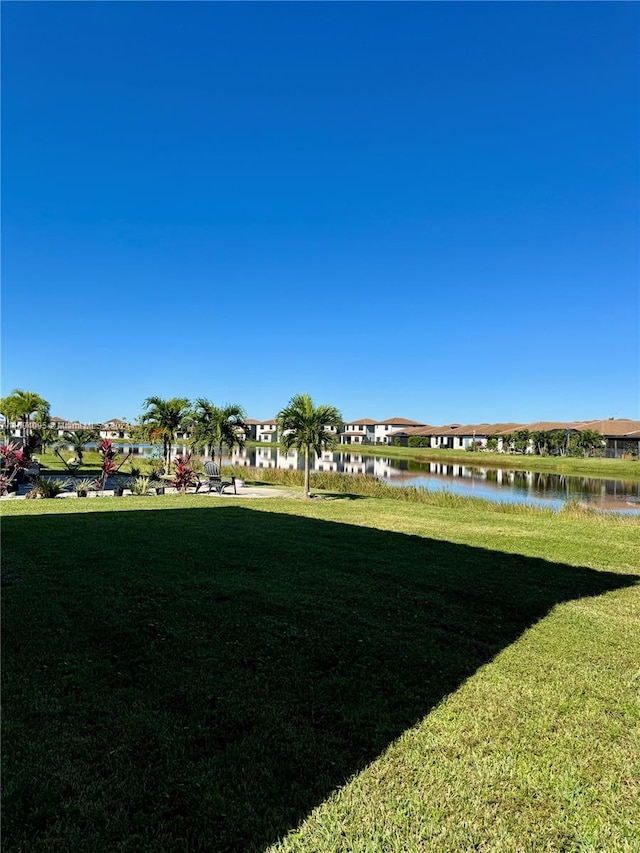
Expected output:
(313, 676)
(618, 469)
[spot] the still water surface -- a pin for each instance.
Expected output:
(502, 484)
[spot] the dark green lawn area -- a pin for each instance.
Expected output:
(187, 673)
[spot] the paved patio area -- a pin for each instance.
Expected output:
(242, 492)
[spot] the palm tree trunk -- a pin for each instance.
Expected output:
(306, 473)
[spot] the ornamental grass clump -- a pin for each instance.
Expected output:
(140, 486)
(46, 488)
(85, 485)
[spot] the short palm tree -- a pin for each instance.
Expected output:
(217, 427)
(78, 440)
(162, 421)
(44, 436)
(307, 428)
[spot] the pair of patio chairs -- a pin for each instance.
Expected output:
(213, 480)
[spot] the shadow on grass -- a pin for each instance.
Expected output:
(201, 679)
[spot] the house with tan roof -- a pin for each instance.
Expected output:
(358, 432)
(464, 436)
(266, 430)
(621, 436)
(115, 428)
(383, 429)
(452, 436)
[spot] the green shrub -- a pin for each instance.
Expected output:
(46, 488)
(419, 441)
(140, 486)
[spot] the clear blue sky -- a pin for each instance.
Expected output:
(426, 210)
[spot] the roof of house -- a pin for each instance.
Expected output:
(607, 427)
(117, 421)
(542, 426)
(401, 421)
(364, 422)
(419, 430)
(474, 429)
(613, 426)
(426, 430)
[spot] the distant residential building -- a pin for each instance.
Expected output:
(115, 428)
(383, 429)
(266, 430)
(621, 436)
(359, 432)
(250, 429)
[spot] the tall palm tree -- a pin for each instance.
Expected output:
(306, 427)
(162, 421)
(8, 410)
(217, 427)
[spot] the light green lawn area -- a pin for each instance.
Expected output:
(343, 674)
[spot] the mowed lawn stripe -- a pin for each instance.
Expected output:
(186, 673)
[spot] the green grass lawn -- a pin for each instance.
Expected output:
(52, 466)
(188, 673)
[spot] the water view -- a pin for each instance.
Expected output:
(496, 484)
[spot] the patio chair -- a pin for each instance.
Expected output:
(213, 479)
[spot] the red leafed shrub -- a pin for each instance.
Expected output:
(184, 474)
(108, 466)
(14, 460)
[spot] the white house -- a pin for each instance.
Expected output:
(358, 432)
(452, 436)
(115, 428)
(265, 430)
(383, 429)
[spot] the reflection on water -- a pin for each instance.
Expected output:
(497, 484)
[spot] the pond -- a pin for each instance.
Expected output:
(496, 484)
